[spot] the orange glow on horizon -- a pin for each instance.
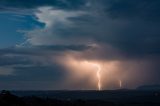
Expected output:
(92, 72)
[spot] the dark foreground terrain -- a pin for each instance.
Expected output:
(80, 98)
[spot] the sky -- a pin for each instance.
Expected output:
(79, 44)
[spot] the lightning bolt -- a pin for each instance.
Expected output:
(120, 83)
(98, 75)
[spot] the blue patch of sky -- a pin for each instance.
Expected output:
(10, 26)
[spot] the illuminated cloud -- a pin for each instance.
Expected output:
(55, 22)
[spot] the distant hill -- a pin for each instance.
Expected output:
(149, 87)
(80, 98)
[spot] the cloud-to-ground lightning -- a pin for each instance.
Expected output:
(98, 76)
(98, 68)
(120, 83)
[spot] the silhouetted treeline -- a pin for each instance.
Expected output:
(8, 99)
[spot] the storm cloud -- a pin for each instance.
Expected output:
(95, 30)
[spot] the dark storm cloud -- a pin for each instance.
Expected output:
(66, 47)
(42, 73)
(130, 26)
(29, 65)
(143, 9)
(39, 50)
(141, 35)
(14, 60)
(30, 4)
(35, 73)
(34, 77)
